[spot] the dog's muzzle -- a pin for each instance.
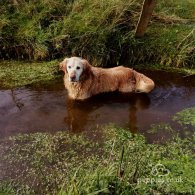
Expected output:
(72, 78)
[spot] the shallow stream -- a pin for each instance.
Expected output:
(47, 108)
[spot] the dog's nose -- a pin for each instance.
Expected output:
(72, 77)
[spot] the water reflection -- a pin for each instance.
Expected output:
(78, 112)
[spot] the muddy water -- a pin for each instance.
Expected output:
(48, 109)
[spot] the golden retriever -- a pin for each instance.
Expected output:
(82, 80)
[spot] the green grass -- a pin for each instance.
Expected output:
(163, 49)
(117, 163)
(180, 8)
(101, 31)
(16, 73)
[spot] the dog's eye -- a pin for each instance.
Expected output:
(78, 67)
(69, 67)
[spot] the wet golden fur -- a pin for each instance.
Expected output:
(97, 80)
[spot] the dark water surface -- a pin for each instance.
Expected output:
(48, 109)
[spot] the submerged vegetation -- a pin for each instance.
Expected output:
(118, 163)
(102, 31)
(186, 117)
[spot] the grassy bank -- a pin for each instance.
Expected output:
(102, 31)
(17, 73)
(117, 163)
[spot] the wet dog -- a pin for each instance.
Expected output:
(82, 80)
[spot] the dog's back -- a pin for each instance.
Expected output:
(112, 79)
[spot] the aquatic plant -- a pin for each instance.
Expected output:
(186, 116)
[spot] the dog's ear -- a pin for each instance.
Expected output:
(86, 66)
(63, 65)
(86, 70)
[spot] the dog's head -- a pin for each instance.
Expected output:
(76, 68)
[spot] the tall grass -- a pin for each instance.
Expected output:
(101, 31)
(33, 29)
